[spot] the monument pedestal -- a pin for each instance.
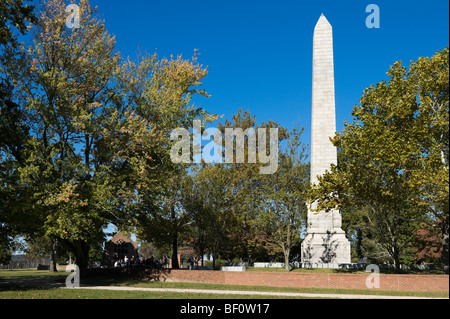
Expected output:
(326, 248)
(325, 241)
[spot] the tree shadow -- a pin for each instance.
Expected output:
(329, 251)
(29, 282)
(127, 275)
(330, 246)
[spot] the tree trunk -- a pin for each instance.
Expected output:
(175, 264)
(287, 247)
(396, 256)
(201, 244)
(359, 235)
(214, 254)
(286, 258)
(202, 249)
(54, 244)
(445, 252)
(80, 250)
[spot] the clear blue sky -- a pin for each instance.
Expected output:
(259, 53)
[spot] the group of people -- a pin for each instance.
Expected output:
(151, 262)
(192, 261)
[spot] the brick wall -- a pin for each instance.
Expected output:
(318, 280)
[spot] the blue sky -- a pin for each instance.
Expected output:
(259, 53)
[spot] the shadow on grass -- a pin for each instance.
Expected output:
(124, 276)
(30, 282)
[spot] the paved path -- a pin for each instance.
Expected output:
(259, 293)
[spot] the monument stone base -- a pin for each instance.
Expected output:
(326, 248)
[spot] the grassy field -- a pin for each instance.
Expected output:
(9, 289)
(58, 293)
(8, 273)
(345, 271)
(309, 270)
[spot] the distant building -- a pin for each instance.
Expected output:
(118, 247)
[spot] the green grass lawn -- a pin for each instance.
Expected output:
(12, 291)
(58, 293)
(30, 272)
(345, 271)
(308, 270)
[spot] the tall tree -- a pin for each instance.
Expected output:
(162, 91)
(217, 196)
(163, 221)
(194, 204)
(91, 138)
(246, 180)
(283, 196)
(13, 131)
(72, 86)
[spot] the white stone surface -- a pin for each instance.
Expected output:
(232, 268)
(325, 241)
(294, 264)
(245, 264)
(268, 265)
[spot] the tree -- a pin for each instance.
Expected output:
(14, 13)
(13, 136)
(270, 207)
(193, 203)
(5, 244)
(164, 223)
(67, 85)
(41, 247)
(207, 201)
(12, 130)
(88, 134)
(396, 151)
(80, 168)
(283, 196)
(162, 92)
(246, 183)
(217, 196)
(428, 244)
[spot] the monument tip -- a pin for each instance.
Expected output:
(323, 22)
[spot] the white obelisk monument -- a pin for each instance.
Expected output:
(325, 241)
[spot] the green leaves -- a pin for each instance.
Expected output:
(14, 13)
(89, 144)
